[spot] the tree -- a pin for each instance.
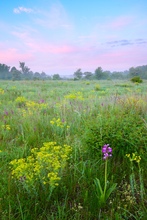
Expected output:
(99, 73)
(132, 72)
(88, 75)
(140, 71)
(78, 74)
(106, 74)
(25, 70)
(117, 75)
(43, 75)
(16, 74)
(30, 75)
(37, 75)
(56, 77)
(4, 72)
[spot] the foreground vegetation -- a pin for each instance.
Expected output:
(73, 150)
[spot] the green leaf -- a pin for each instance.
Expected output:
(110, 190)
(98, 186)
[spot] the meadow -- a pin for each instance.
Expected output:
(73, 150)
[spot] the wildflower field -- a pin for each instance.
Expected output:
(73, 150)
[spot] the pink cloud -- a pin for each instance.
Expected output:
(112, 60)
(49, 48)
(38, 45)
(23, 35)
(120, 59)
(67, 58)
(12, 56)
(56, 49)
(62, 49)
(69, 63)
(120, 22)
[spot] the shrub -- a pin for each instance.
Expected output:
(136, 79)
(124, 130)
(97, 87)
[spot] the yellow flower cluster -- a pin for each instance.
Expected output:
(35, 105)
(6, 127)
(20, 99)
(135, 101)
(57, 122)
(25, 113)
(76, 95)
(134, 157)
(1, 91)
(32, 106)
(43, 165)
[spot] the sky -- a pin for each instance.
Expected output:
(61, 36)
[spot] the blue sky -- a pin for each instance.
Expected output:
(62, 36)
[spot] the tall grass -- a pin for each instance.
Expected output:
(78, 115)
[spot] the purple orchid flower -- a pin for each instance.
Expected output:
(107, 151)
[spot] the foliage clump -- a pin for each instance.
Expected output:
(97, 87)
(136, 79)
(121, 126)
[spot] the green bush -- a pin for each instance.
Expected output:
(136, 79)
(123, 130)
(97, 87)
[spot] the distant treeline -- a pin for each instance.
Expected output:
(99, 74)
(24, 73)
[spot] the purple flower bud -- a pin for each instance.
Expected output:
(6, 113)
(41, 101)
(104, 158)
(104, 150)
(107, 151)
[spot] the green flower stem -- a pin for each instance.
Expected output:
(105, 186)
(141, 183)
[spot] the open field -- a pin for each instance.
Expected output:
(51, 160)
